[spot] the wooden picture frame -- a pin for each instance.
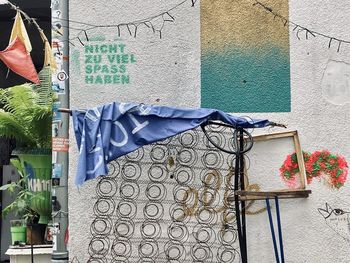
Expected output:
(299, 192)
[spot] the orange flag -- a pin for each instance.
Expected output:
(16, 58)
(49, 59)
(19, 30)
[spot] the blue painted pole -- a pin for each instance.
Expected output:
(272, 230)
(279, 228)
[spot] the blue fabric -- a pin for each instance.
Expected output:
(110, 131)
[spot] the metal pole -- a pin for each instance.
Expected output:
(60, 48)
(31, 244)
(272, 230)
(279, 228)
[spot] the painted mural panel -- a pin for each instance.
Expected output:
(245, 56)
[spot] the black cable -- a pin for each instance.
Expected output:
(237, 203)
(240, 136)
(136, 23)
(242, 187)
(248, 137)
(301, 28)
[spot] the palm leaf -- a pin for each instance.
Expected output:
(11, 127)
(18, 98)
(28, 113)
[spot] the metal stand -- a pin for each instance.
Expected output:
(282, 194)
(242, 143)
(273, 230)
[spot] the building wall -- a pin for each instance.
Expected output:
(167, 71)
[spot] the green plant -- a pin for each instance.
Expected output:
(20, 207)
(26, 116)
(26, 113)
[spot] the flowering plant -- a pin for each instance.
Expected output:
(320, 164)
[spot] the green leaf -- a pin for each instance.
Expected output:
(339, 185)
(21, 204)
(5, 187)
(339, 172)
(27, 113)
(9, 187)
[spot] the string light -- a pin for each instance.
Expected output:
(300, 29)
(131, 27)
(167, 17)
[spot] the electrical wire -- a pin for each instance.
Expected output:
(299, 28)
(132, 27)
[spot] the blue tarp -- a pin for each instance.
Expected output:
(113, 130)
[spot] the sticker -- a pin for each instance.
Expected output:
(54, 157)
(55, 4)
(57, 29)
(56, 115)
(48, 234)
(62, 75)
(56, 229)
(57, 170)
(59, 87)
(57, 44)
(58, 55)
(58, 13)
(60, 144)
(56, 206)
(55, 129)
(55, 182)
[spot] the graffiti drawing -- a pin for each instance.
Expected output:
(322, 165)
(337, 219)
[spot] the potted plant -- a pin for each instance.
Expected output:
(26, 116)
(20, 207)
(18, 232)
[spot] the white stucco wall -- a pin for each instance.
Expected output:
(167, 72)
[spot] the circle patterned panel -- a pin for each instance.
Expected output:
(167, 202)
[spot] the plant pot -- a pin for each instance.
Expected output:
(18, 232)
(36, 234)
(38, 169)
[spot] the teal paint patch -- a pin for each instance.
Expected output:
(246, 81)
